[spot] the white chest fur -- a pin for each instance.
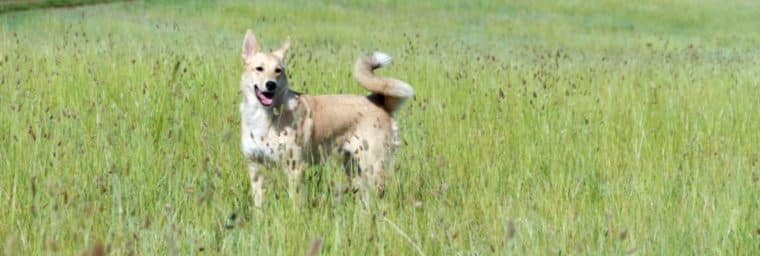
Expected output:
(263, 138)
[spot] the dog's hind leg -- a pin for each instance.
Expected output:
(366, 159)
(257, 182)
(353, 172)
(371, 178)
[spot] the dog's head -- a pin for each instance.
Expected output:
(263, 80)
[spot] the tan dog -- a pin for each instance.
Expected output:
(288, 129)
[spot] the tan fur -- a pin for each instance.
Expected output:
(297, 130)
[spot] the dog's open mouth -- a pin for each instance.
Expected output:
(264, 97)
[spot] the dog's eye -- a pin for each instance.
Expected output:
(277, 70)
(260, 68)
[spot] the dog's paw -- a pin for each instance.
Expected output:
(381, 58)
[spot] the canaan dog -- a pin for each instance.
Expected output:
(284, 128)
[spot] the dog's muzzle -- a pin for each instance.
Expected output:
(265, 98)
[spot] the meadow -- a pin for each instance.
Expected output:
(537, 128)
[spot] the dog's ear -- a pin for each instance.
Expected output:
(280, 53)
(250, 45)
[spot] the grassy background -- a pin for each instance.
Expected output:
(538, 127)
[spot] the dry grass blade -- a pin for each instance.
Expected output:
(405, 236)
(511, 230)
(314, 247)
(97, 249)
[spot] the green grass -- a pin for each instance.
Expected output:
(538, 128)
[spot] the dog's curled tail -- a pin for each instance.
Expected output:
(395, 92)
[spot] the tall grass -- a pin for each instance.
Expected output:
(537, 128)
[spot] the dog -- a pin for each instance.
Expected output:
(287, 129)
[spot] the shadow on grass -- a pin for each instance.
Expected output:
(7, 6)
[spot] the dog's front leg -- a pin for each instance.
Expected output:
(295, 182)
(257, 182)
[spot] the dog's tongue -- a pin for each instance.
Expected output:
(266, 101)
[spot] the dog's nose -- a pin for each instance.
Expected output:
(271, 85)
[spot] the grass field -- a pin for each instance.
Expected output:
(538, 127)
